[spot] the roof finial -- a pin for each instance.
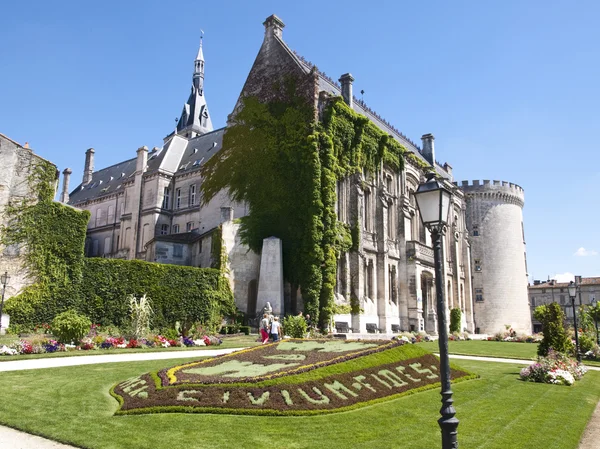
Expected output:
(200, 56)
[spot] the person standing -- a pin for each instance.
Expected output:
(264, 328)
(276, 329)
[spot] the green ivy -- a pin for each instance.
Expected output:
(51, 239)
(176, 293)
(285, 165)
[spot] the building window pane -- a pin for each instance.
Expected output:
(166, 198)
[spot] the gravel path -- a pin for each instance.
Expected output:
(15, 439)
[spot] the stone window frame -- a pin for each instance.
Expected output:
(192, 195)
(189, 226)
(166, 197)
(175, 229)
(164, 229)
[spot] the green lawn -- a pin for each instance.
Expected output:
(496, 411)
(502, 349)
(228, 342)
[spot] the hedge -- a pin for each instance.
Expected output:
(177, 293)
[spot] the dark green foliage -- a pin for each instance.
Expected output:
(285, 166)
(184, 294)
(294, 326)
(552, 318)
(455, 320)
(586, 342)
(70, 326)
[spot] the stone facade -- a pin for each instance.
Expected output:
(148, 208)
(499, 260)
(17, 163)
(541, 293)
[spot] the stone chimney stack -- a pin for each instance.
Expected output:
(64, 196)
(142, 159)
(89, 166)
(346, 81)
(273, 27)
(428, 150)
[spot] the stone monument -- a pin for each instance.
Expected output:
(270, 281)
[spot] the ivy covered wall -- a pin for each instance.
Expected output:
(285, 164)
(51, 238)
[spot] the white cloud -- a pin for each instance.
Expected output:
(582, 252)
(564, 277)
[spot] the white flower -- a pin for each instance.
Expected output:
(199, 342)
(5, 350)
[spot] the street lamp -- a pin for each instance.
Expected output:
(595, 306)
(433, 201)
(572, 293)
(4, 279)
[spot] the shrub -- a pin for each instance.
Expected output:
(70, 326)
(140, 313)
(586, 342)
(455, 315)
(556, 368)
(552, 318)
(294, 326)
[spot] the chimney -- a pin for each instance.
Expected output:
(89, 166)
(226, 214)
(428, 151)
(273, 26)
(448, 168)
(142, 159)
(346, 82)
(64, 196)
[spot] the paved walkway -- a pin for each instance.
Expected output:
(15, 439)
(56, 362)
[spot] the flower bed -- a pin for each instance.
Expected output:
(296, 377)
(40, 344)
(556, 368)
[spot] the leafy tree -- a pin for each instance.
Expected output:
(455, 315)
(552, 318)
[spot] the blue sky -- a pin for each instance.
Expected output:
(509, 89)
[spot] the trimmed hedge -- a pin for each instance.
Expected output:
(177, 293)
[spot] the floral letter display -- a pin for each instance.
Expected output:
(286, 378)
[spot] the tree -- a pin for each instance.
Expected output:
(552, 318)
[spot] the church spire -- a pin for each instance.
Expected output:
(199, 68)
(195, 119)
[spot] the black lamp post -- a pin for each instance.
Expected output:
(595, 306)
(4, 279)
(572, 293)
(433, 201)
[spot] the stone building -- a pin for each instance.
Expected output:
(552, 291)
(17, 163)
(494, 218)
(148, 208)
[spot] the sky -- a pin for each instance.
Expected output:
(510, 89)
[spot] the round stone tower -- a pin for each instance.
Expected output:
(498, 258)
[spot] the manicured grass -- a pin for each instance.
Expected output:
(228, 342)
(503, 349)
(496, 411)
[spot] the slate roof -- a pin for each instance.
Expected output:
(200, 149)
(110, 180)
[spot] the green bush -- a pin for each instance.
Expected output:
(294, 326)
(586, 342)
(245, 330)
(552, 318)
(70, 326)
(455, 315)
(184, 294)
